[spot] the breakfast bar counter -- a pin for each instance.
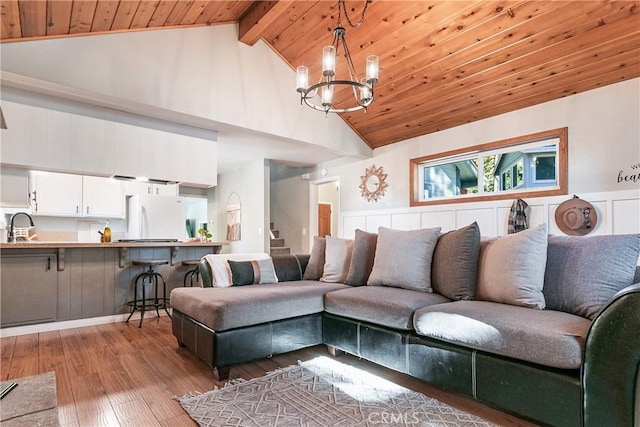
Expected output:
(121, 246)
(60, 281)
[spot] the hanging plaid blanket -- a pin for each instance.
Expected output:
(518, 216)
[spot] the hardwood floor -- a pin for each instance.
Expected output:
(121, 375)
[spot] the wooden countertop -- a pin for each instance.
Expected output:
(36, 244)
(122, 247)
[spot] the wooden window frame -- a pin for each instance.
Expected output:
(560, 189)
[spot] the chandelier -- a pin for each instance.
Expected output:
(320, 96)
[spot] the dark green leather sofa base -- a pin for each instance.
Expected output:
(220, 350)
(546, 395)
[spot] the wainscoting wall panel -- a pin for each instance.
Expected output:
(406, 221)
(618, 213)
(624, 212)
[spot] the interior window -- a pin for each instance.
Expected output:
(504, 169)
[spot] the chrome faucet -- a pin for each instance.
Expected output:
(12, 237)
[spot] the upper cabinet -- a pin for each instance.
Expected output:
(138, 187)
(59, 194)
(102, 197)
(55, 194)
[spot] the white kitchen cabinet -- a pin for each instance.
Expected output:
(138, 187)
(165, 190)
(68, 195)
(102, 197)
(55, 194)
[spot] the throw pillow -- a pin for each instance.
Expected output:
(220, 271)
(583, 273)
(511, 268)
(316, 260)
(364, 250)
(454, 269)
(256, 272)
(403, 258)
(337, 258)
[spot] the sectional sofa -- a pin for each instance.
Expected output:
(545, 327)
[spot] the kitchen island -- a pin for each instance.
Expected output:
(60, 281)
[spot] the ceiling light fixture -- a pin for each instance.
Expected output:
(320, 96)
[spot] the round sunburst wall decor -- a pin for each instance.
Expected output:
(373, 184)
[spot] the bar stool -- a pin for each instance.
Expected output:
(152, 277)
(192, 274)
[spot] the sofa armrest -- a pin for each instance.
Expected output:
(612, 361)
(205, 273)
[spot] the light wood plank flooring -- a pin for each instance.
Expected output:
(121, 375)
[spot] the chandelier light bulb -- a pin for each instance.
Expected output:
(329, 61)
(365, 91)
(302, 78)
(372, 69)
(327, 96)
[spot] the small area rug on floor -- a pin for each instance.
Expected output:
(321, 392)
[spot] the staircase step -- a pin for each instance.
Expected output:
(277, 243)
(276, 233)
(280, 251)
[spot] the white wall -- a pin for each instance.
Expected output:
(250, 184)
(47, 133)
(204, 72)
(604, 141)
(289, 207)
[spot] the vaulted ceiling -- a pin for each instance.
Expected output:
(442, 63)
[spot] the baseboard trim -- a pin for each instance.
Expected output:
(69, 324)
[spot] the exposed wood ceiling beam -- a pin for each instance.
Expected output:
(260, 16)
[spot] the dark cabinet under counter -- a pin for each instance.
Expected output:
(49, 281)
(29, 289)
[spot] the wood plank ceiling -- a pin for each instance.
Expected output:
(442, 63)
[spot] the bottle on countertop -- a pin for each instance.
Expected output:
(106, 235)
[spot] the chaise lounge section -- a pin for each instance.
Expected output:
(547, 364)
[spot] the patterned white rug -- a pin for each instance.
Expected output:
(321, 392)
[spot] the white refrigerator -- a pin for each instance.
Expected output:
(156, 217)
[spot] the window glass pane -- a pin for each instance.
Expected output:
(450, 179)
(491, 182)
(545, 168)
(520, 173)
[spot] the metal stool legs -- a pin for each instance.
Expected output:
(191, 274)
(153, 278)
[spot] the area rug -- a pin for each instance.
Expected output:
(321, 392)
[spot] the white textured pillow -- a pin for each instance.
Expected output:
(511, 268)
(337, 258)
(220, 270)
(403, 258)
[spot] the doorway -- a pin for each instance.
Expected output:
(324, 219)
(324, 191)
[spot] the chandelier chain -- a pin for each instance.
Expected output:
(343, 7)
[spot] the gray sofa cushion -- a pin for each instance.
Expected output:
(511, 268)
(364, 249)
(337, 258)
(392, 307)
(403, 258)
(550, 338)
(227, 308)
(454, 269)
(316, 261)
(583, 273)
